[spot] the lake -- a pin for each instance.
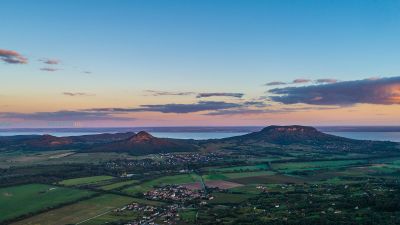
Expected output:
(199, 135)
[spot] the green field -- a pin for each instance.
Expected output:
(148, 185)
(315, 165)
(22, 158)
(85, 180)
(228, 198)
(79, 212)
(25, 199)
(240, 168)
(247, 189)
(188, 215)
(227, 176)
(118, 185)
(117, 217)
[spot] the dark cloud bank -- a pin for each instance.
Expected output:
(371, 91)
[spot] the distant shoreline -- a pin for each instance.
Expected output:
(233, 129)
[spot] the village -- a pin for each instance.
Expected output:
(176, 193)
(178, 198)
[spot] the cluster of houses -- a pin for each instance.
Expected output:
(152, 215)
(178, 196)
(188, 158)
(175, 193)
(164, 161)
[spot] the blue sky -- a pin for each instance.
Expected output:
(196, 46)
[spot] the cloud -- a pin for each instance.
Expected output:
(219, 94)
(383, 91)
(48, 69)
(190, 108)
(12, 57)
(73, 94)
(247, 111)
(167, 93)
(301, 81)
(50, 61)
(199, 95)
(258, 104)
(174, 108)
(63, 116)
(275, 83)
(326, 81)
(231, 112)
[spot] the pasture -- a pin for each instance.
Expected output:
(24, 158)
(227, 176)
(188, 215)
(247, 189)
(240, 168)
(27, 199)
(118, 185)
(229, 198)
(315, 165)
(21, 158)
(85, 180)
(269, 179)
(79, 213)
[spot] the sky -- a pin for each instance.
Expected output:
(98, 63)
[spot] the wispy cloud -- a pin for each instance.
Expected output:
(376, 91)
(257, 104)
(74, 94)
(301, 81)
(48, 69)
(326, 81)
(168, 93)
(248, 111)
(50, 61)
(12, 57)
(275, 83)
(64, 116)
(198, 95)
(219, 94)
(231, 112)
(175, 108)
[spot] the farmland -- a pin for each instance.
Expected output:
(228, 198)
(118, 185)
(235, 185)
(225, 175)
(299, 166)
(242, 184)
(241, 168)
(85, 180)
(35, 198)
(79, 212)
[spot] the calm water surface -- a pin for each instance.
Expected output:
(378, 136)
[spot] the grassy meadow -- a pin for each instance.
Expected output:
(85, 180)
(79, 212)
(21, 200)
